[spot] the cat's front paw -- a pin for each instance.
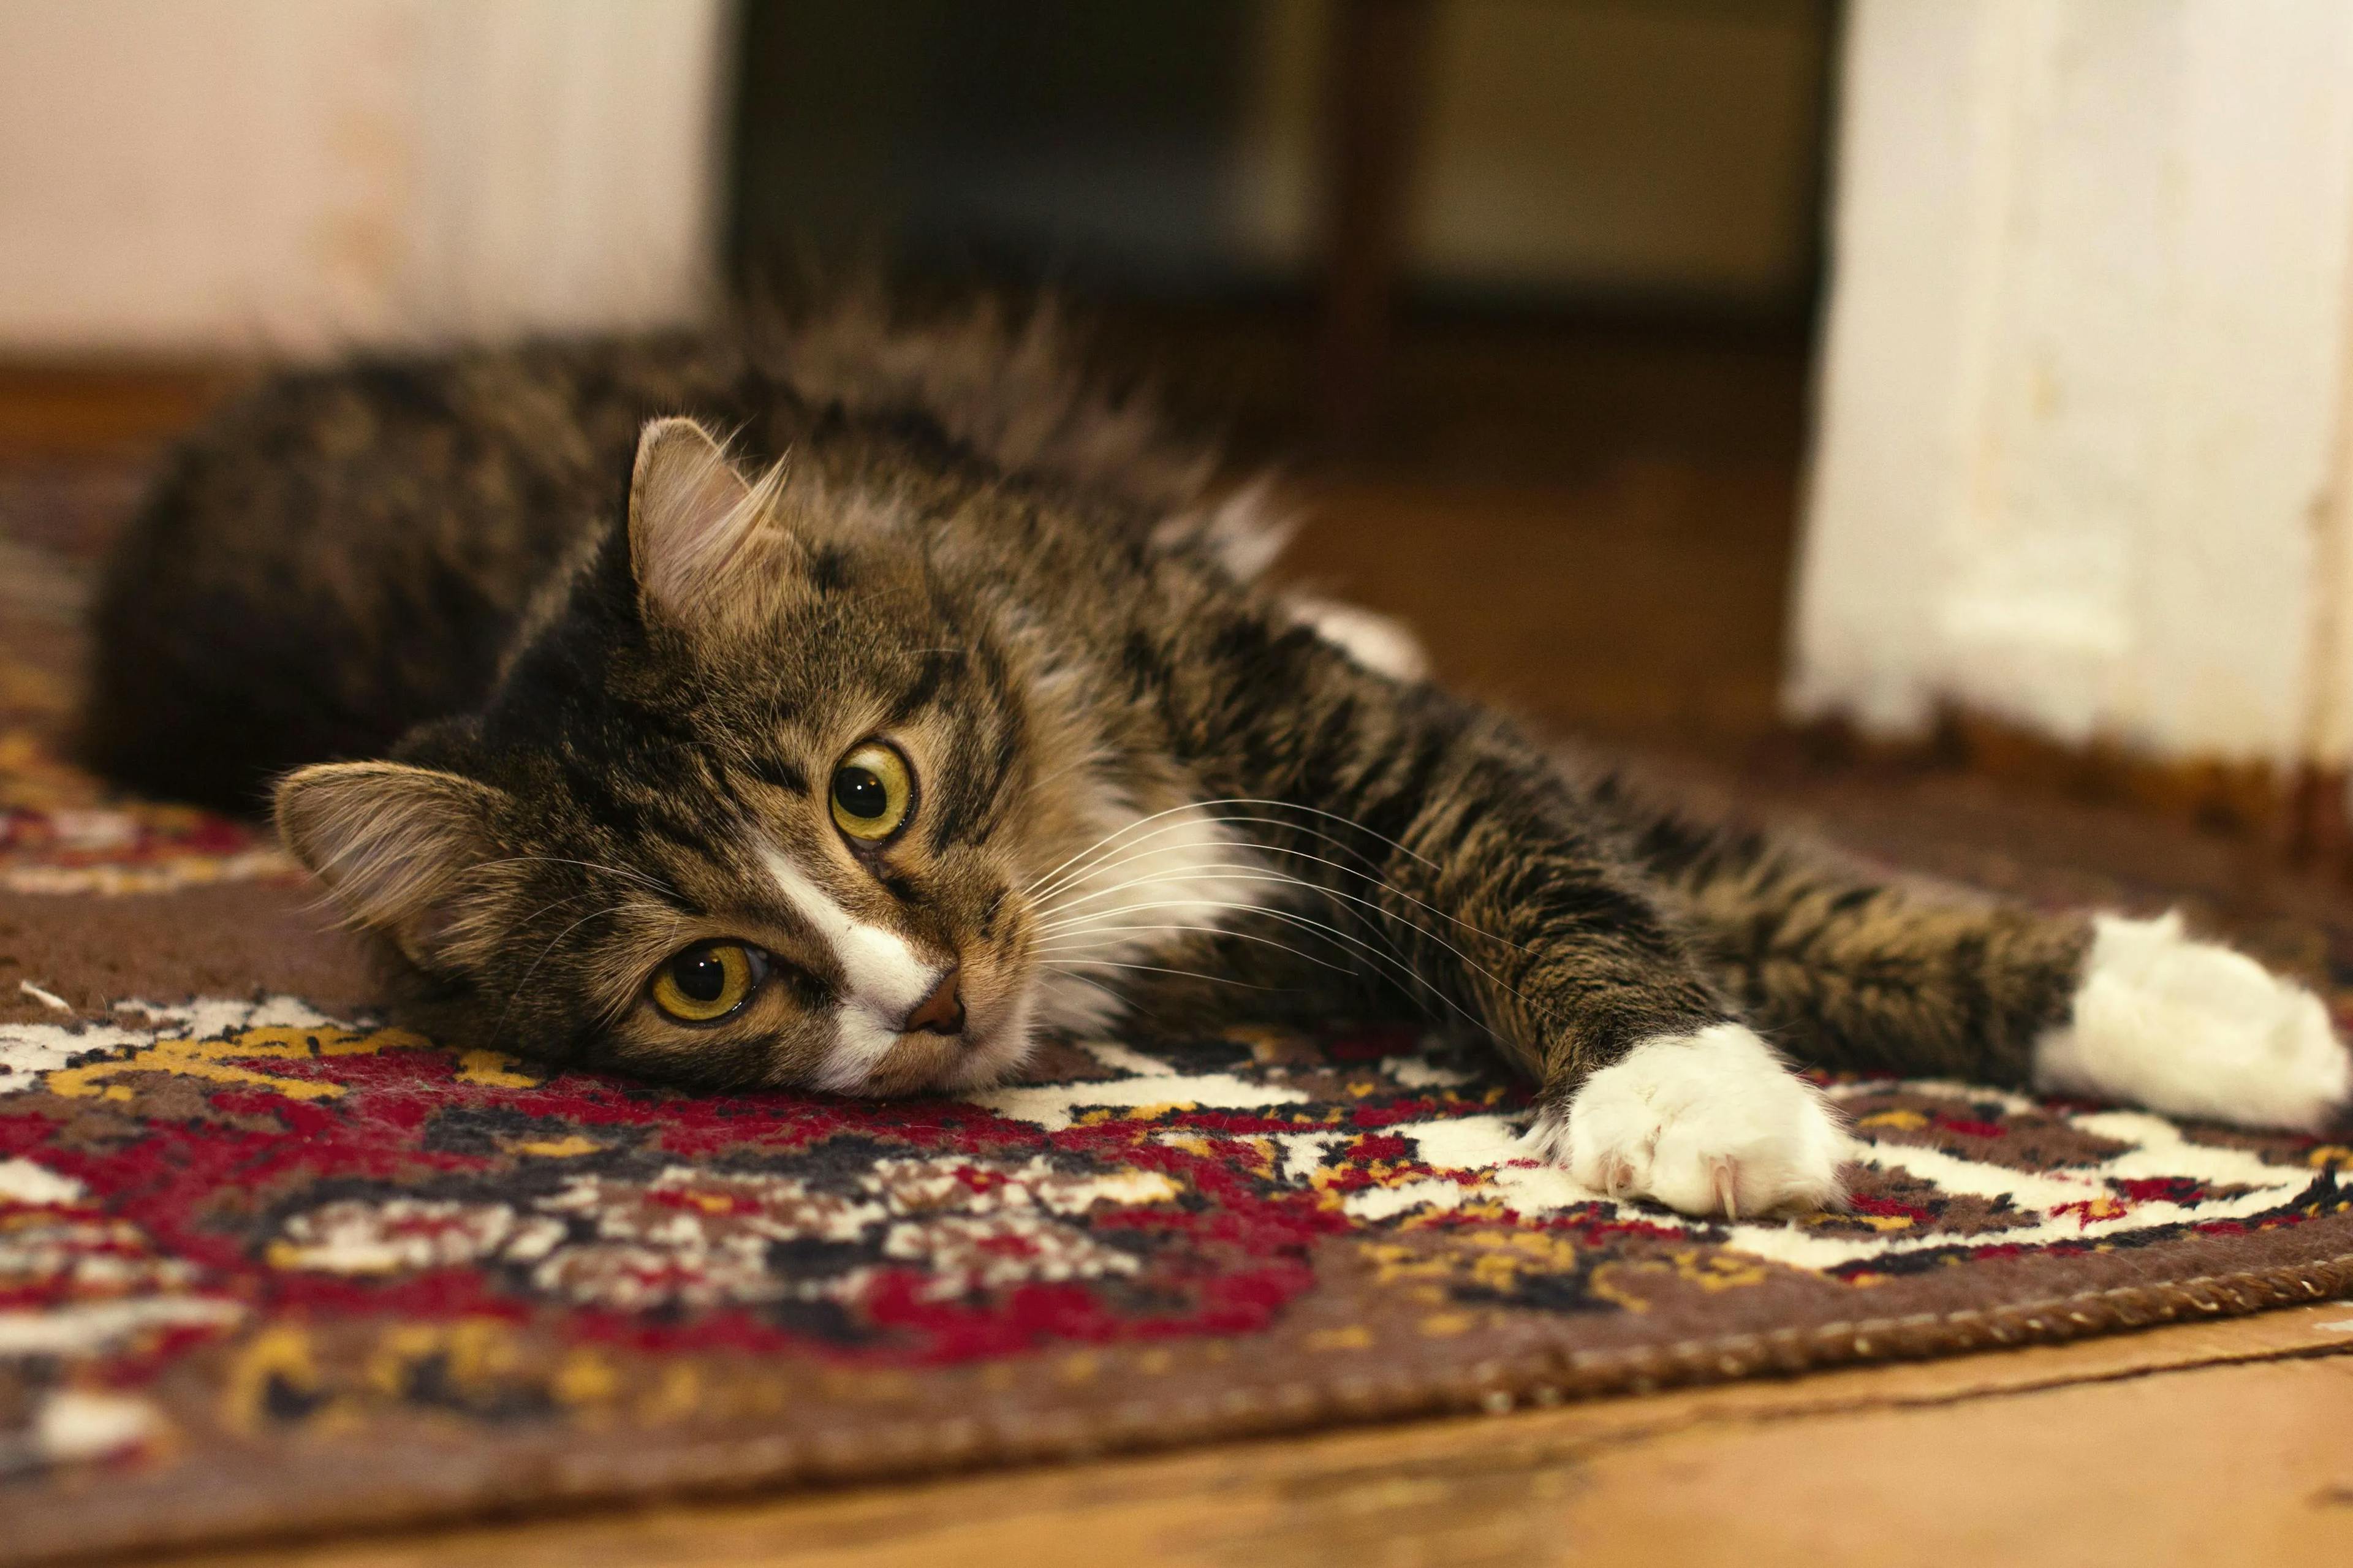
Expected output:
(1709, 1123)
(2194, 1029)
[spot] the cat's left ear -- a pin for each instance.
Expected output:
(693, 517)
(400, 846)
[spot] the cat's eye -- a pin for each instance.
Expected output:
(871, 792)
(707, 982)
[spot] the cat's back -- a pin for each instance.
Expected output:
(339, 553)
(342, 554)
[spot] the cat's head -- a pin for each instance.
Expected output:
(764, 796)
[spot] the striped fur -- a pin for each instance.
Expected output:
(1148, 787)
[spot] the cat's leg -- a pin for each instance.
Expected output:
(1483, 890)
(1704, 1117)
(1848, 972)
(1651, 1082)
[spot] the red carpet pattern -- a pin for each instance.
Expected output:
(258, 1266)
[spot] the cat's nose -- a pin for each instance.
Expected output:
(940, 1013)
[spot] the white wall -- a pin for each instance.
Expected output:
(2084, 408)
(297, 175)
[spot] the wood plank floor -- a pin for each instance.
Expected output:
(2220, 1443)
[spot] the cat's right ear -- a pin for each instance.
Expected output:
(692, 515)
(395, 845)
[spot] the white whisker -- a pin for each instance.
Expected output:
(1130, 852)
(515, 995)
(1380, 882)
(1115, 940)
(1394, 962)
(1157, 969)
(1245, 874)
(1036, 891)
(650, 883)
(1064, 893)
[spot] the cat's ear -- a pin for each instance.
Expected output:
(394, 844)
(692, 516)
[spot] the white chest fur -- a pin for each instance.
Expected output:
(1148, 883)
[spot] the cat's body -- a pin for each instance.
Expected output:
(968, 721)
(344, 554)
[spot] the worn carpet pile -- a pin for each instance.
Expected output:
(267, 1265)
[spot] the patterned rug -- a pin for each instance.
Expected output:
(266, 1265)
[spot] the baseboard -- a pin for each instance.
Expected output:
(2302, 811)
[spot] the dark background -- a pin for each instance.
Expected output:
(1519, 292)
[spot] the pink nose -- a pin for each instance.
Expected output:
(940, 1013)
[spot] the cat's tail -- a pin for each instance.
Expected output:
(1845, 971)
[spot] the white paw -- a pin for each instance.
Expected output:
(1708, 1123)
(2190, 1028)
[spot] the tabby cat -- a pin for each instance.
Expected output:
(844, 706)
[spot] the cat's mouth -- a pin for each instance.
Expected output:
(990, 1058)
(991, 1042)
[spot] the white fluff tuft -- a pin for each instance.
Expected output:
(1382, 644)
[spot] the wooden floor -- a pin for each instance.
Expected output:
(2218, 1444)
(1595, 527)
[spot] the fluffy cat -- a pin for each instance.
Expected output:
(842, 706)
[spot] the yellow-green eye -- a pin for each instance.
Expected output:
(871, 792)
(707, 982)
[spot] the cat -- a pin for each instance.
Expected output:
(846, 705)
